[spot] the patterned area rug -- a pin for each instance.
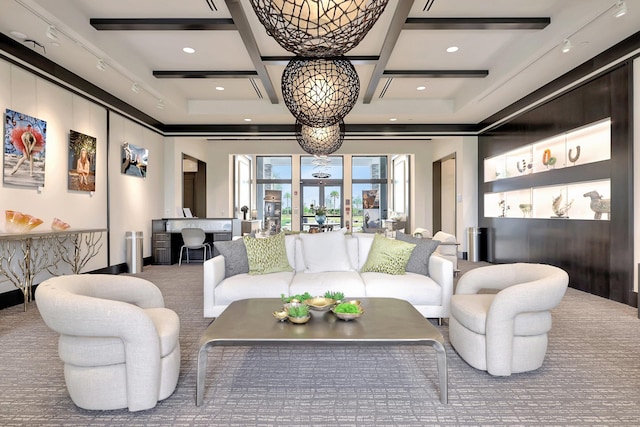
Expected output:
(591, 376)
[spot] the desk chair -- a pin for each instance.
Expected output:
(193, 238)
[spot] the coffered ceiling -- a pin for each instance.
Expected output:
(506, 49)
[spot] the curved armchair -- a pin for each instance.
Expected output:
(505, 332)
(118, 343)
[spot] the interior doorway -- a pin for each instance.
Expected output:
(444, 195)
(194, 186)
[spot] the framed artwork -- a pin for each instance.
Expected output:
(24, 149)
(82, 162)
(134, 160)
(371, 209)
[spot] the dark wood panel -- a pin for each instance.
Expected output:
(598, 255)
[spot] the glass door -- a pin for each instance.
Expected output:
(325, 195)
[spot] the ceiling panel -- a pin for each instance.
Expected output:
(518, 61)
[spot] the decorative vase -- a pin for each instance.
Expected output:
(320, 219)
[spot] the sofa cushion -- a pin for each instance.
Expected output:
(244, 286)
(348, 282)
(388, 256)
(325, 252)
(412, 287)
(419, 259)
(365, 241)
(235, 256)
(267, 255)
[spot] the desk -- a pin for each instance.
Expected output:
(24, 255)
(166, 237)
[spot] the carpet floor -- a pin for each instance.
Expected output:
(590, 377)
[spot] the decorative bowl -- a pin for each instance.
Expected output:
(299, 320)
(281, 315)
(17, 222)
(349, 316)
(320, 303)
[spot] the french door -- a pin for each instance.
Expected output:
(324, 193)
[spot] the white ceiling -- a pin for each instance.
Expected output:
(518, 61)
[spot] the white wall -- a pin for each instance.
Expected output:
(133, 201)
(23, 92)
(466, 151)
(219, 177)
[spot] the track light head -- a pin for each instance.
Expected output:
(566, 46)
(135, 87)
(620, 9)
(52, 33)
(160, 105)
(101, 65)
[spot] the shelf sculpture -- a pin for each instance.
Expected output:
(599, 205)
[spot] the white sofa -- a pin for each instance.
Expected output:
(430, 295)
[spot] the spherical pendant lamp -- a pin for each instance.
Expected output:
(320, 92)
(320, 141)
(318, 28)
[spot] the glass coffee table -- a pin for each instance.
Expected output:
(386, 321)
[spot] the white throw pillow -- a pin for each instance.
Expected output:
(325, 252)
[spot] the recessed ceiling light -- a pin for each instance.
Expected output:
(188, 50)
(452, 49)
(219, 88)
(160, 105)
(135, 88)
(566, 46)
(247, 120)
(392, 119)
(18, 35)
(421, 88)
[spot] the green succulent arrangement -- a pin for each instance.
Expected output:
(347, 307)
(300, 297)
(298, 311)
(338, 296)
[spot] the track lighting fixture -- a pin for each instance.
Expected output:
(566, 46)
(52, 33)
(135, 87)
(160, 105)
(101, 65)
(620, 9)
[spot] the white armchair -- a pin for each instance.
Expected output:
(118, 343)
(505, 332)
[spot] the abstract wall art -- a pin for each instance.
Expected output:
(24, 149)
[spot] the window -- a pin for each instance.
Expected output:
(274, 173)
(369, 192)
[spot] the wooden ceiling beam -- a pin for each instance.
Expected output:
(435, 74)
(244, 28)
(162, 24)
(397, 23)
(476, 23)
(204, 74)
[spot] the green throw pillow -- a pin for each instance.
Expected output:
(267, 255)
(388, 256)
